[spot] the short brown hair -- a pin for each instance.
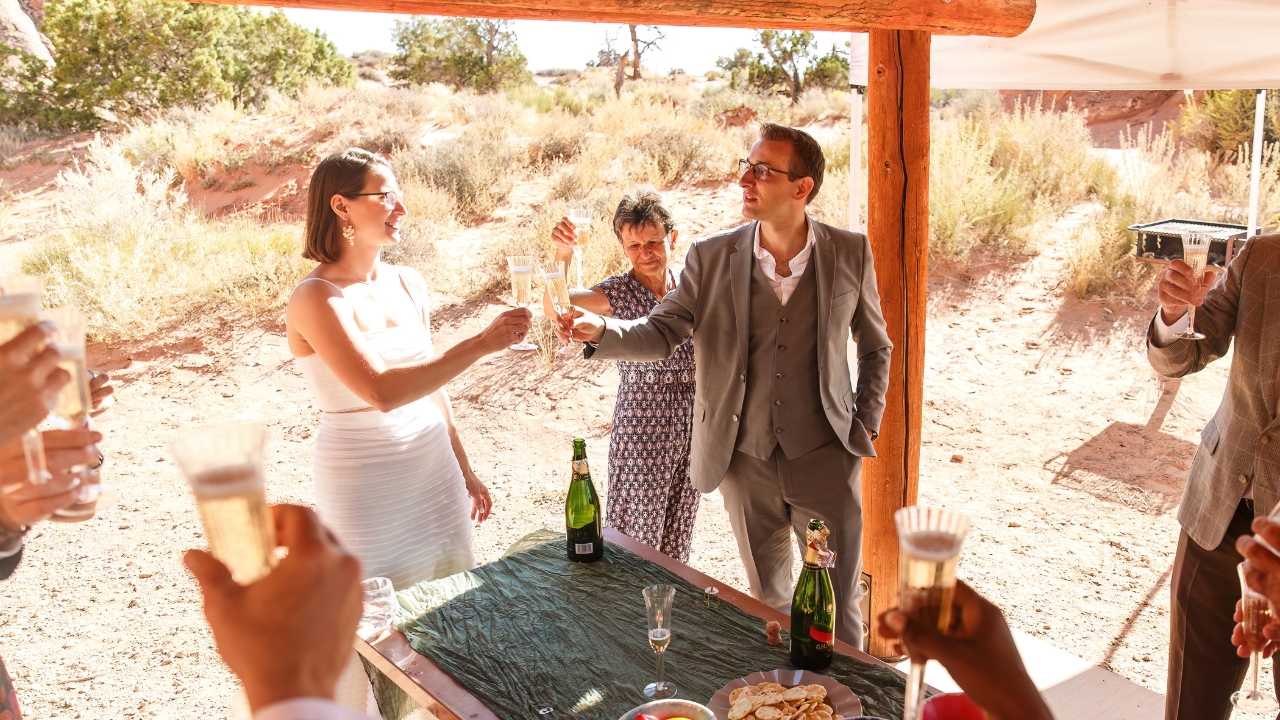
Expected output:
(342, 173)
(807, 159)
(641, 208)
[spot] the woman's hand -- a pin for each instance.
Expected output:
(29, 381)
(565, 238)
(506, 330)
(103, 392)
(66, 452)
(481, 503)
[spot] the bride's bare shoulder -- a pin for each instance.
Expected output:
(312, 289)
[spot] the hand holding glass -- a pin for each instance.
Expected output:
(558, 289)
(657, 601)
(1257, 614)
(1195, 251)
(224, 466)
(521, 267)
(581, 218)
(20, 308)
(75, 401)
(929, 542)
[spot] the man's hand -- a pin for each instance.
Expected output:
(1179, 290)
(289, 634)
(29, 381)
(1237, 635)
(979, 654)
(581, 325)
(66, 453)
(1262, 573)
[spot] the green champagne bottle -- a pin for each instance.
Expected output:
(584, 523)
(813, 606)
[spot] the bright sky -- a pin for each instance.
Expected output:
(555, 44)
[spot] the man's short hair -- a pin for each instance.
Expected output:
(643, 207)
(807, 159)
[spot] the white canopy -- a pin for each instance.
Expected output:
(1115, 45)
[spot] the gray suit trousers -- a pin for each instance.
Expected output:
(770, 500)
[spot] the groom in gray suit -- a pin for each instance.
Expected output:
(777, 425)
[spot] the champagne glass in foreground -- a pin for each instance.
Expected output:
(1257, 614)
(74, 401)
(522, 289)
(929, 541)
(581, 218)
(20, 308)
(1195, 251)
(558, 288)
(379, 607)
(657, 601)
(224, 466)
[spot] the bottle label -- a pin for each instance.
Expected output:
(580, 468)
(820, 636)
(584, 548)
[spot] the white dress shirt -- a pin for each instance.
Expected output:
(308, 709)
(784, 286)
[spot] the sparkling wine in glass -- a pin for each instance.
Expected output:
(20, 308)
(1195, 252)
(657, 601)
(581, 218)
(929, 542)
(379, 607)
(72, 406)
(1257, 615)
(521, 267)
(224, 466)
(553, 273)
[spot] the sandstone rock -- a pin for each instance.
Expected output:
(18, 29)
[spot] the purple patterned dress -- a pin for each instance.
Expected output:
(650, 495)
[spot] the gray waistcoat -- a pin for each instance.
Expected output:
(783, 404)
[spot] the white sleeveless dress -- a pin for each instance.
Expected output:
(388, 484)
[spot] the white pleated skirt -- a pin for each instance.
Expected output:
(389, 487)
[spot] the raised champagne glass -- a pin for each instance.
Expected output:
(521, 267)
(581, 218)
(657, 601)
(224, 466)
(72, 406)
(929, 542)
(1257, 614)
(553, 273)
(19, 309)
(1195, 252)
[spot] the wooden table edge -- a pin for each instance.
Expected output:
(436, 690)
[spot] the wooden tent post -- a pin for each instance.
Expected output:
(898, 227)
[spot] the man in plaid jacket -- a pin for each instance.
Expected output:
(1236, 472)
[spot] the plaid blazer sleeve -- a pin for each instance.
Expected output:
(1215, 319)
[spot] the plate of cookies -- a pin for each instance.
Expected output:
(785, 695)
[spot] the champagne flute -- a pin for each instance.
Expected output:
(581, 218)
(929, 541)
(223, 464)
(74, 401)
(1195, 251)
(379, 607)
(657, 601)
(19, 309)
(521, 267)
(1257, 614)
(558, 288)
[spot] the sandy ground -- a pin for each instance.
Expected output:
(1043, 422)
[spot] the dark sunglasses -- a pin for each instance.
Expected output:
(760, 171)
(389, 198)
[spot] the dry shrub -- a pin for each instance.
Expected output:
(132, 253)
(816, 105)
(474, 168)
(1049, 150)
(13, 138)
(557, 137)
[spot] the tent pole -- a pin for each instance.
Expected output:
(855, 150)
(898, 227)
(1255, 172)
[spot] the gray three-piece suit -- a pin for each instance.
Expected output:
(777, 424)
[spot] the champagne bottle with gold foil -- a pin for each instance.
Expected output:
(813, 606)
(584, 522)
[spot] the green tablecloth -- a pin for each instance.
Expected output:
(535, 636)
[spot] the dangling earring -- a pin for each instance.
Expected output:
(349, 233)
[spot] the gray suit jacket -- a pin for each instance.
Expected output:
(712, 302)
(1242, 441)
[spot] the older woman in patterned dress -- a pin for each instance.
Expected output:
(650, 497)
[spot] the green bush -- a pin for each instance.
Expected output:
(120, 59)
(462, 52)
(1222, 122)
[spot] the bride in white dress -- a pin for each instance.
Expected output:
(392, 479)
